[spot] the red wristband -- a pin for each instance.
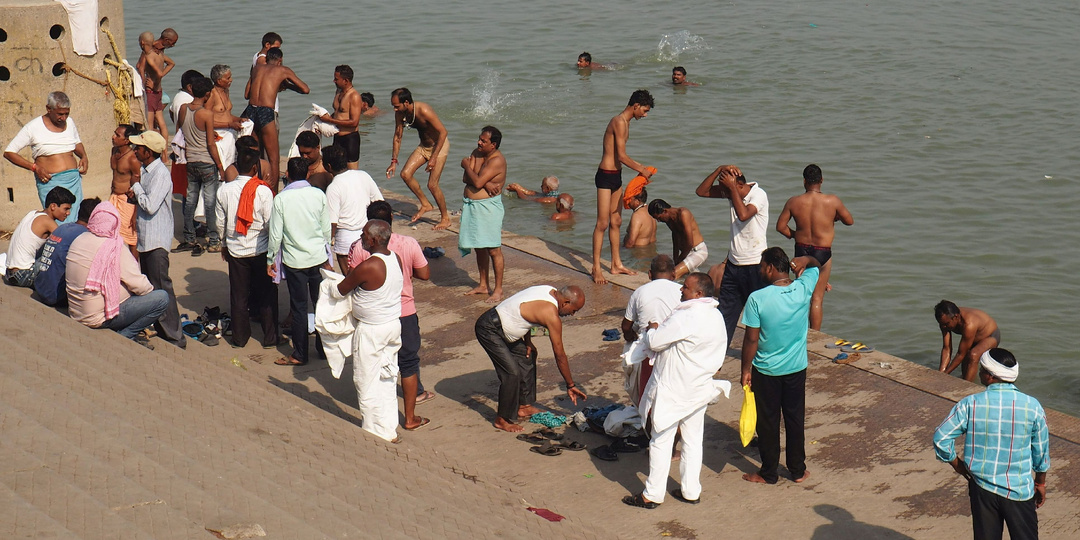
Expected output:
(33, 167)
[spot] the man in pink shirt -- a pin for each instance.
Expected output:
(413, 264)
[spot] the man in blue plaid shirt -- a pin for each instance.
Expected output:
(1006, 440)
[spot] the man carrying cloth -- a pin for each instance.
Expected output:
(1006, 439)
(482, 211)
(54, 146)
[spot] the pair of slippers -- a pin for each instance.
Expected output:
(554, 448)
(639, 500)
(540, 436)
(849, 346)
(846, 358)
(610, 452)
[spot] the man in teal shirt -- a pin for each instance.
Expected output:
(774, 360)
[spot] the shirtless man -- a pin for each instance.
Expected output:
(549, 190)
(584, 62)
(270, 40)
(642, 229)
(564, 207)
(167, 40)
(678, 77)
(226, 124)
(261, 92)
(433, 150)
(689, 245)
(481, 217)
(978, 334)
(125, 168)
(152, 66)
(307, 143)
(347, 110)
(815, 216)
(367, 105)
(609, 182)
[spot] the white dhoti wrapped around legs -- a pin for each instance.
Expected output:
(375, 373)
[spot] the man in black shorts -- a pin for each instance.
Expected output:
(347, 109)
(609, 182)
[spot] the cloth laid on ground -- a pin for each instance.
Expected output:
(481, 224)
(104, 273)
(547, 418)
(313, 123)
(83, 20)
(623, 422)
(334, 321)
(636, 185)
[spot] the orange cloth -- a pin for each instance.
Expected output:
(245, 210)
(127, 218)
(635, 186)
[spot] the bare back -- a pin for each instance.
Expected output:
(153, 69)
(642, 229)
(979, 322)
(815, 215)
(266, 81)
(686, 228)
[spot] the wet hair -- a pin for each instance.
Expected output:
(947, 308)
(552, 181)
(564, 201)
(246, 159)
(86, 207)
(345, 71)
(678, 69)
(494, 133)
(379, 231)
(1003, 357)
(657, 206)
(369, 98)
(129, 130)
(201, 87)
(702, 283)
(274, 54)
(812, 174)
(219, 71)
(662, 264)
(585, 56)
(777, 258)
(333, 157)
(247, 141)
(402, 94)
(58, 100)
(270, 38)
(307, 139)
(643, 196)
(380, 210)
(59, 196)
(189, 77)
(297, 168)
(641, 97)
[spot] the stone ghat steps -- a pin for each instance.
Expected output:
(107, 439)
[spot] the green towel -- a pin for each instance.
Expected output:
(481, 224)
(548, 418)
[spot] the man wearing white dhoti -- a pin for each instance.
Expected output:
(689, 351)
(375, 285)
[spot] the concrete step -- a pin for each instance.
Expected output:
(21, 519)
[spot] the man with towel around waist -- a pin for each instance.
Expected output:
(504, 332)
(482, 213)
(54, 146)
(689, 351)
(375, 285)
(347, 198)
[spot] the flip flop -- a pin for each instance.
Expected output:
(624, 446)
(605, 453)
(426, 397)
(289, 361)
(532, 438)
(838, 344)
(423, 422)
(549, 433)
(845, 358)
(639, 501)
(547, 449)
(572, 446)
(857, 347)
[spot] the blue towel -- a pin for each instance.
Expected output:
(548, 419)
(70, 180)
(481, 224)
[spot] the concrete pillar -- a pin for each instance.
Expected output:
(35, 41)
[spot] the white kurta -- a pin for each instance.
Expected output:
(650, 302)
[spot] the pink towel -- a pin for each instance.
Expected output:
(104, 275)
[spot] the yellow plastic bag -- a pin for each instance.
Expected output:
(748, 418)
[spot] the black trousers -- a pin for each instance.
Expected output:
(303, 283)
(515, 368)
(784, 394)
(989, 511)
(250, 284)
(735, 289)
(155, 265)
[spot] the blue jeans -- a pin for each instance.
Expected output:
(22, 278)
(202, 178)
(138, 312)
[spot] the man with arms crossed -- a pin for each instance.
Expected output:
(504, 332)
(261, 92)
(432, 150)
(347, 109)
(815, 216)
(774, 360)
(978, 334)
(482, 213)
(609, 182)
(688, 244)
(1006, 440)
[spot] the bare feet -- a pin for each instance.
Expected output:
(442, 224)
(622, 270)
(754, 477)
(479, 290)
(598, 276)
(802, 478)
(505, 425)
(420, 213)
(527, 410)
(496, 297)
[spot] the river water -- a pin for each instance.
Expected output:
(948, 128)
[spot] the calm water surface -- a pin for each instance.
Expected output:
(949, 129)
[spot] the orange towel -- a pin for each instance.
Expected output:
(635, 186)
(245, 211)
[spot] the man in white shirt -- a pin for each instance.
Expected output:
(689, 351)
(651, 302)
(749, 223)
(347, 197)
(243, 215)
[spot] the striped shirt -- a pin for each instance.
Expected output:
(154, 221)
(1006, 439)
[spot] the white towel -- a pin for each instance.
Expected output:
(334, 322)
(322, 129)
(83, 20)
(136, 79)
